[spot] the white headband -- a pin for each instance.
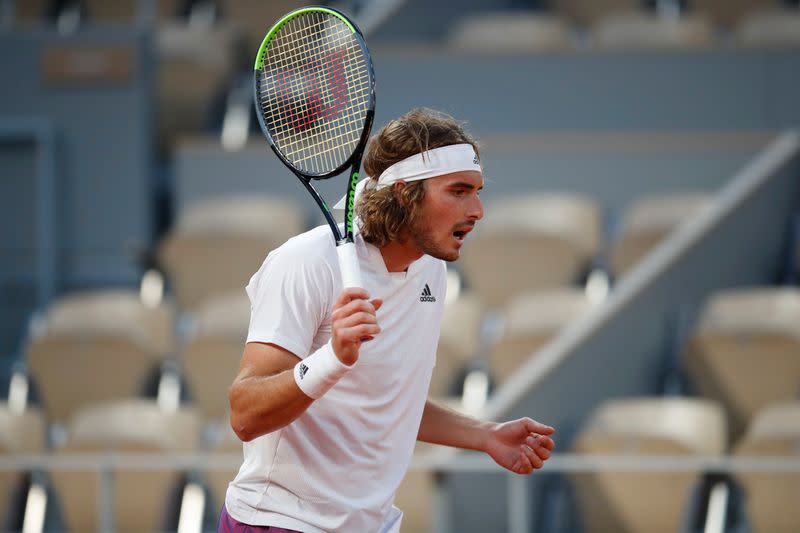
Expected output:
(428, 164)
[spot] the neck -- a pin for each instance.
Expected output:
(397, 256)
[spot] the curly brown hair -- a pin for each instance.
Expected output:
(384, 213)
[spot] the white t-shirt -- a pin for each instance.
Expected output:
(337, 466)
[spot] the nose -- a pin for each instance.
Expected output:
(476, 208)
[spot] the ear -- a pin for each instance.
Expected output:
(397, 191)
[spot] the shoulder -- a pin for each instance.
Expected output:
(307, 259)
(314, 247)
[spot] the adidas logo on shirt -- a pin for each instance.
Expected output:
(303, 369)
(426, 295)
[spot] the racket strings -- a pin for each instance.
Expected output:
(306, 52)
(315, 91)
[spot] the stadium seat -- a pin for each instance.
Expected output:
(612, 500)
(531, 320)
(126, 11)
(777, 27)
(31, 12)
(586, 13)
(530, 242)
(509, 32)
(745, 350)
(640, 30)
(194, 66)
(255, 17)
(416, 495)
(213, 349)
(458, 343)
(771, 498)
(729, 13)
(647, 222)
(96, 346)
(20, 433)
(218, 479)
(218, 244)
(141, 498)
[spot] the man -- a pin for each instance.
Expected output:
(332, 390)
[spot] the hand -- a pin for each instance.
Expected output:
(521, 446)
(353, 321)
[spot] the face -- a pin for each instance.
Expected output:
(449, 211)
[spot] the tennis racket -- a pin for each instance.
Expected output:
(315, 101)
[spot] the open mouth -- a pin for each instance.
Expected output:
(460, 234)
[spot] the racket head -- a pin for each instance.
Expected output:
(314, 91)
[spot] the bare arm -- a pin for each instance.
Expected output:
(520, 445)
(264, 396)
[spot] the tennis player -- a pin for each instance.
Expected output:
(332, 390)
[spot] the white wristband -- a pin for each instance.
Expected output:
(319, 372)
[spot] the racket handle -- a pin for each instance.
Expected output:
(348, 264)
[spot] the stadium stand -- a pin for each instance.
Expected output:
(128, 11)
(626, 501)
(770, 498)
(531, 319)
(650, 31)
(647, 222)
(458, 344)
(212, 349)
(600, 118)
(254, 17)
(142, 500)
(778, 27)
(226, 444)
(217, 245)
(728, 13)
(744, 350)
(512, 32)
(20, 433)
(557, 233)
(96, 346)
(587, 13)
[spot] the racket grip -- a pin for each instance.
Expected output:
(348, 265)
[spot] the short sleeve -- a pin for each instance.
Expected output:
(289, 300)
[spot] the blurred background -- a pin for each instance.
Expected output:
(634, 281)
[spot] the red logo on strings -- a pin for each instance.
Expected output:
(303, 111)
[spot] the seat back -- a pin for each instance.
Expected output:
(730, 12)
(20, 433)
(141, 498)
(218, 480)
(745, 351)
(771, 498)
(458, 342)
(626, 501)
(96, 346)
(218, 244)
(255, 17)
(532, 319)
(648, 221)
(212, 351)
(774, 27)
(639, 30)
(509, 32)
(530, 242)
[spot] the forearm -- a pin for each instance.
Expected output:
(262, 404)
(442, 425)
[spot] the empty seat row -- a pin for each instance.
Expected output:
(650, 497)
(544, 240)
(744, 350)
(140, 499)
(628, 29)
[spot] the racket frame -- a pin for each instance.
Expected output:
(354, 161)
